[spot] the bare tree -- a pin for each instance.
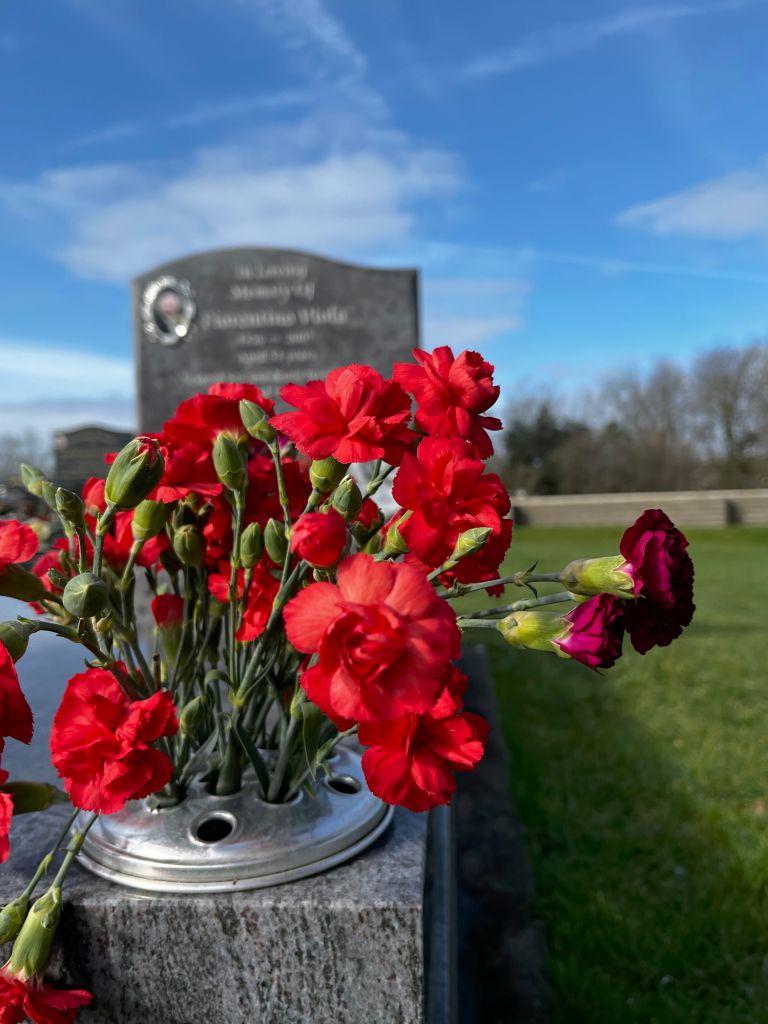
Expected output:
(25, 447)
(730, 389)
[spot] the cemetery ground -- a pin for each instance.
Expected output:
(643, 792)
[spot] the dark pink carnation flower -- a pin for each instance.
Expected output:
(662, 573)
(596, 633)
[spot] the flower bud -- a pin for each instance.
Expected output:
(48, 494)
(534, 630)
(370, 518)
(32, 947)
(374, 544)
(12, 918)
(590, 576)
(348, 500)
(24, 586)
(229, 463)
(320, 538)
(86, 595)
(188, 546)
(103, 624)
(251, 545)
(275, 541)
(70, 507)
(470, 541)
(256, 421)
(32, 479)
(14, 636)
(135, 473)
(57, 578)
(29, 797)
(326, 474)
(149, 518)
(170, 562)
(168, 612)
(192, 715)
(394, 543)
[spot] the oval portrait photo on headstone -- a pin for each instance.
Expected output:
(168, 310)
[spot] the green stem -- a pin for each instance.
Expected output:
(281, 489)
(82, 562)
(276, 784)
(521, 606)
(105, 521)
(230, 773)
(518, 579)
(378, 478)
(232, 617)
(73, 848)
(466, 622)
(47, 860)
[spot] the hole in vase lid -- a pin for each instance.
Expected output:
(344, 784)
(214, 828)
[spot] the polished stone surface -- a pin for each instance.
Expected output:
(265, 316)
(340, 948)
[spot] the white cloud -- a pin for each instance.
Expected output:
(733, 206)
(467, 331)
(45, 418)
(471, 312)
(122, 130)
(236, 106)
(316, 45)
(565, 40)
(311, 35)
(48, 388)
(33, 372)
(120, 219)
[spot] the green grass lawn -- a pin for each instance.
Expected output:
(644, 793)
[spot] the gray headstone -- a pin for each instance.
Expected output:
(266, 317)
(80, 453)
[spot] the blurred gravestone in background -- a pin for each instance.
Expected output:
(79, 454)
(266, 317)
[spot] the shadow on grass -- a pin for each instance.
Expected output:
(650, 865)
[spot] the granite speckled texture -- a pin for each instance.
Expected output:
(345, 947)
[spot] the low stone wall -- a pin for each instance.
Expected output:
(685, 508)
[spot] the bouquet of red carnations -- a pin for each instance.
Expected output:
(289, 610)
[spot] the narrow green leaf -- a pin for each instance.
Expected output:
(254, 757)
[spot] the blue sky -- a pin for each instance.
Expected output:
(584, 186)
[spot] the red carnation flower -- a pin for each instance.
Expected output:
(168, 610)
(93, 492)
(451, 394)
(18, 543)
(188, 470)
(411, 761)
(22, 998)
(200, 419)
(448, 490)
(262, 503)
(15, 713)
(596, 631)
(370, 515)
(320, 538)
(117, 545)
(51, 559)
(6, 813)
(662, 572)
(383, 636)
(354, 415)
(261, 595)
(100, 742)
